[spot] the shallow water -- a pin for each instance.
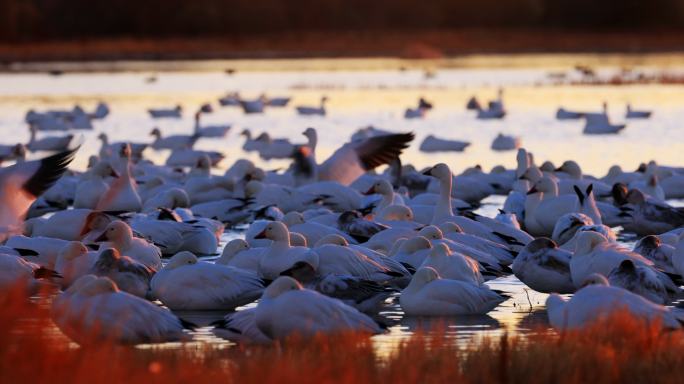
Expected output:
(378, 97)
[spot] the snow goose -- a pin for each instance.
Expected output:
(118, 235)
(286, 198)
(495, 109)
(253, 106)
(39, 250)
(22, 183)
(334, 195)
(351, 160)
(66, 225)
(188, 284)
(647, 216)
(568, 225)
(94, 310)
(678, 255)
(673, 186)
(661, 254)
(129, 275)
(411, 252)
(15, 271)
(636, 114)
(93, 185)
(73, 261)
(187, 157)
(210, 131)
(360, 229)
(100, 112)
(231, 99)
(172, 236)
(595, 254)
(544, 267)
(435, 144)
(453, 232)
(598, 300)
(650, 187)
(505, 143)
(430, 295)
(158, 113)
(599, 124)
(286, 308)
(280, 255)
(644, 281)
(313, 111)
(237, 253)
(122, 194)
(173, 142)
(13, 152)
(277, 101)
(383, 188)
(473, 104)
(171, 198)
(453, 265)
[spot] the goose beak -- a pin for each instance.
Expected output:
(428, 172)
(533, 190)
(559, 169)
(370, 191)
(261, 235)
(114, 174)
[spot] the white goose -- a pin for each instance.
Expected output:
(313, 111)
(349, 161)
(505, 143)
(122, 194)
(544, 267)
(50, 143)
(22, 183)
(453, 265)
(16, 272)
(93, 185)
(74, 261)
(286, 308)
(435, 144)
(90, 311)
(280, 255)
(129, 275)
(240, 327)
(118, 235)
(174, 142)
(237, 253)
(430, 295)
(188, 284)
(598, 300)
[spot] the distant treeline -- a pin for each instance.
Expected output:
(34, 20)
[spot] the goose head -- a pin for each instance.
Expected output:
(568, 224)
(179, 198)
(72, 250)
(598, 279)
(156, 133)
(440, 171)
(117, 232)
(547, 166)
(571, 168)
(253, 187)
(540, 244)
(587, 241)
(423, 276)
(275, 231)
(233, 248)
(450, 227)
(396, 213)
(532, 173)
(181, 259)
(297, 240)
(415, 244)
(649, 242)
(431, 232)
(293, 218)
(439, 250)
(333, 239)
(281, 285)
(95, 221)
(382, 187)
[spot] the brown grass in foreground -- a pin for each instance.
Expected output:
(619, 350)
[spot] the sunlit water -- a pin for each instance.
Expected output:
(379, 97)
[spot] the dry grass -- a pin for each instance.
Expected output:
(618, 351)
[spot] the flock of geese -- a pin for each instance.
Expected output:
(327, 244)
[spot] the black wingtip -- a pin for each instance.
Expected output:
(51, 169)
(187, 324)
(579, 194)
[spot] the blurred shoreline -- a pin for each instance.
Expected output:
(308, 50)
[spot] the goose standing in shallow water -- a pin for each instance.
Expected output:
(286, 308)
(597, 299)
(94, 310)
(313, 111)
(429, 295)
(544, 267)
(186, 283)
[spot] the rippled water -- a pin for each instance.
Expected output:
(378, 97)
